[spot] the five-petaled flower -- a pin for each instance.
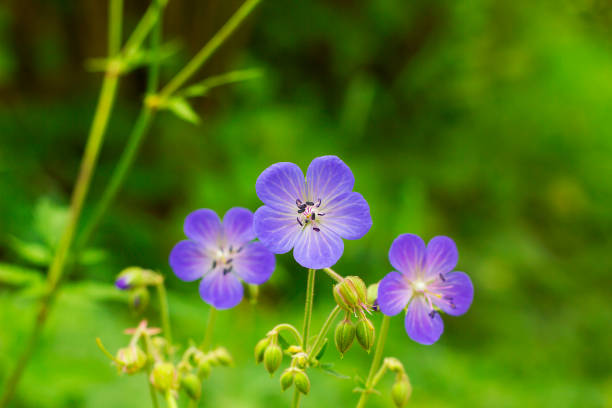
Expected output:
(310, 215)
(221, 254)
(426, 283)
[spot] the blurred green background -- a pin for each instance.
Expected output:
(485, 120)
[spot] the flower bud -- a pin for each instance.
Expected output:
(260, 348)
(192, 386)
(221, 357)
(164, 377)
(135, 276)
(344, 335)
(286, 379)
(273, 357)
(365, 334)
(350, 294)
(372, 295)
(133, 359)
(301, 360)
(401, 390)
(204, 368)
(301, 381)
(139, 299)
(394, 365)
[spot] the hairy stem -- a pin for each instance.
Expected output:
(202, 56)
(380, 345)
(210, 326)
(306, 327)
(320, 340)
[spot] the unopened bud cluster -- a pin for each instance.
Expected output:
(351, 295)
(135, 280)
(401, 388)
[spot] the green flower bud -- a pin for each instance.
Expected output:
(301, 381)
(365, 333)
(301, 360)
(372, 294)
(394, 365)
(204, 368)
(344, 335)
(192, 386)
(135, 276)
(260, 348)
(350, 294)
(221, 357)
(164, 377)
(401, 390)
(139, 299)
(133, 359)
(273, 357)
(286, 379)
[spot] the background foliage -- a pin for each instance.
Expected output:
(485, 120)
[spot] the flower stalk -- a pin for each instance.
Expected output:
(380, 345)
(320, 339)
(210, 325)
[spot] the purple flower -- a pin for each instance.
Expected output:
(310, 215)
(426, 283)
(221, 254)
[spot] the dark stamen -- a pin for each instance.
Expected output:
(227, 270)
(302, 207)
(306, 221)
(214, 265)
(432, 314)
(316, 229)
(298, 202)
(450, 298)
(231, 248)
(442, 278)
(229, 261)
(320, 214)
(312, 216)
(299, 222)
(301, 210)
(318, 203)
(309, 203)
(238, 250)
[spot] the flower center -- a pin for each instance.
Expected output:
(419, 286)
(224, 258)
(307, 213)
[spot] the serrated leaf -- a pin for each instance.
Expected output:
(323, 349)
(334, 373)
(32, 252)
(16, 275)
(181, 108)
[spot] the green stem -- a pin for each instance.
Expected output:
(211, 46)
(149, 348)
(320, 340)
(307, 317)
(163, 311)
(114, 27)
(335, 276)
(287, 327)
(210, 325)
(56, 269)
(382, 338)
(170, 400)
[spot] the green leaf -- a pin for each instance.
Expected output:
(50, 219)
(323, 349)
(333, 373)
(181, 108)
(201, 88)
(15, 275)
(93, 256)
(32, 252)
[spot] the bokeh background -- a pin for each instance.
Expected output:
(486, 120)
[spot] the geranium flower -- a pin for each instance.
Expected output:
(310, 215)
(222, 254)
(426, 284)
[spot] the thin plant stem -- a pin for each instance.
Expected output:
(380, 345)
(149, 348)
(163, 312)
(210, 326)
(335, 276)
(307, 317)
(202, 56)
(287, 327)
(170, 400)
(320, 340)
(56, 269)
(114, 27)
